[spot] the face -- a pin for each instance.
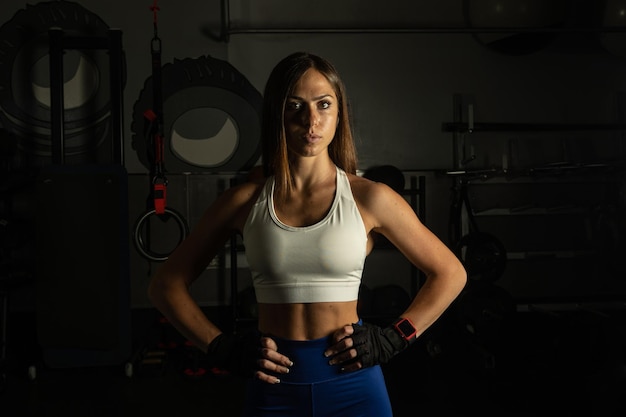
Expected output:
(311, 115)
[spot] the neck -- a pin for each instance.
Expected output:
(308, 174)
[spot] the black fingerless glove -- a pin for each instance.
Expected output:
(376, 345)
(236, 353)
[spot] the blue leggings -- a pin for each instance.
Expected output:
(313, 388)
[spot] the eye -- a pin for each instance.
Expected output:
(293, 105)
(324, 104)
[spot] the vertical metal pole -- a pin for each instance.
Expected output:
(418, 186)
(56, 96)
(234, 284)
(117, 104)
(225, 24)
(4, 301)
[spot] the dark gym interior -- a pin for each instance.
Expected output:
(502, 123)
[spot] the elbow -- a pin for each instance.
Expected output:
(460, 275)
(455, 277)
(156, 291)
(164, 287)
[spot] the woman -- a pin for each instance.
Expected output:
(307, 228)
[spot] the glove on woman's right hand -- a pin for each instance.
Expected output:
(237, 353)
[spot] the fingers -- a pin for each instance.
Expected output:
(269, 353)
(344, 357)
(268, 342)
(342, 333)
(340, 341)
(270, 379)
(352, 366)
(344, 351)
(268, 365)
(271, 360)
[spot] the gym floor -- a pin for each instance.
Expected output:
(531, 364)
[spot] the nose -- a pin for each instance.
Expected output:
(311, 116)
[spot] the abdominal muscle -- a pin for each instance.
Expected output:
(305, 321)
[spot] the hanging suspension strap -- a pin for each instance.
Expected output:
(156, 152)
(155, 117)
(159, 180)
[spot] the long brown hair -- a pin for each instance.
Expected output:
(279, 86)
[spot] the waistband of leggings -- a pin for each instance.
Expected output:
(309, 362)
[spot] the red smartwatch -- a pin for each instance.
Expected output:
(407, 330)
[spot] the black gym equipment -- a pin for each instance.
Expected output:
(483, 310)
(157, 201)
(143, 226)
(213, 92)
(26, 110)
(82, 245)
(482, 254)
(213, 126)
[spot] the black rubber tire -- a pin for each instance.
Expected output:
(24, 44)
(193, 83)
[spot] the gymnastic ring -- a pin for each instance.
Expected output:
(139, 243)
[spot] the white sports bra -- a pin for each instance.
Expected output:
(318, 263)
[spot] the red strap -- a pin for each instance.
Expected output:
(160, 191)
(150, 115)
(158, 150)
(155, 8)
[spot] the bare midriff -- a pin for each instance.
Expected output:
(305, 321)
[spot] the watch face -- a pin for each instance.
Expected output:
(406, 328)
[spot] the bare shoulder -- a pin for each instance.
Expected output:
(242, 193)
(377, 202)
(360, 185)
(368, 193)
(235, 202)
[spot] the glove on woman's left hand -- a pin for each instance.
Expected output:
(376, 345)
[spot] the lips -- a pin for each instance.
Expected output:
(312, 138)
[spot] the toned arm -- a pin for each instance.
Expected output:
(386, 212)
(169, 288)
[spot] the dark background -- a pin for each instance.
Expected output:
(505, 119)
